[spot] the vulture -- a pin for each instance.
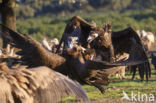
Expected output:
(92, 72)
(37, 85)
(110, 44)
(79, 28)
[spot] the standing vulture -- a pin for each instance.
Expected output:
(37, 85)
(73, 65)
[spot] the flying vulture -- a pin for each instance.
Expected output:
(92, 72)
(37, 85)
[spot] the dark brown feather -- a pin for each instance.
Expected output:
(128, 41)
(118, 43)
(32, 52)
(76, 22)
(92, 72)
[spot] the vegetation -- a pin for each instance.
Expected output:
(39, 18)
(115, 89)
(53, 26)
(30, 8)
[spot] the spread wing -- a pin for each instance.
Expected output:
(32, 52)
(97, 65)
(83, 30)
(128, 41)
(38, 85)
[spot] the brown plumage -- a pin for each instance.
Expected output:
(128, 41)
(33, 54)
(37, 85)
(83, 29)
(92, 72)
(125, 41)
(102, 43)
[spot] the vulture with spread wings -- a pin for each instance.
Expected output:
(107, 43)
(110, 45)
(79, 28)
(72, 64)
(37, 85)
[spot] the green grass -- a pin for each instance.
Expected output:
(116, 87)
(114, 93)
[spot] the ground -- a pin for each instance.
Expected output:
(115, 89)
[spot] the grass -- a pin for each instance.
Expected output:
(116, 87)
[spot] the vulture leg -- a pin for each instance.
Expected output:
(134, 71)
(141, 72)
(148, 71)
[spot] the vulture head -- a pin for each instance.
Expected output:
(100, 39)
(100, 36)
(72, 41)
(75, 52)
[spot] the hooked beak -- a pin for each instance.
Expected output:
(92, 37)
(83, 49)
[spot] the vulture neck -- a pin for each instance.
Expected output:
(75, 68)
(50, 59)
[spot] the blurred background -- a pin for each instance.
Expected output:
(40, 18)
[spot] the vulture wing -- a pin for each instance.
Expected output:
(128, 41)
(97, 65)
(76, 27)
(32, 52)
(37, 85)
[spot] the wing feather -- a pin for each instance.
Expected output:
(83, 26)
(40, 85)
(128, 41)
(32, 52)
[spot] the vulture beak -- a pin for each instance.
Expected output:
(70, 44)
(83, 49)
(92, 37)
(72, 41)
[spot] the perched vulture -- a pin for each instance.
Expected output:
(72, 64)
(37, 85)
(108, 43)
